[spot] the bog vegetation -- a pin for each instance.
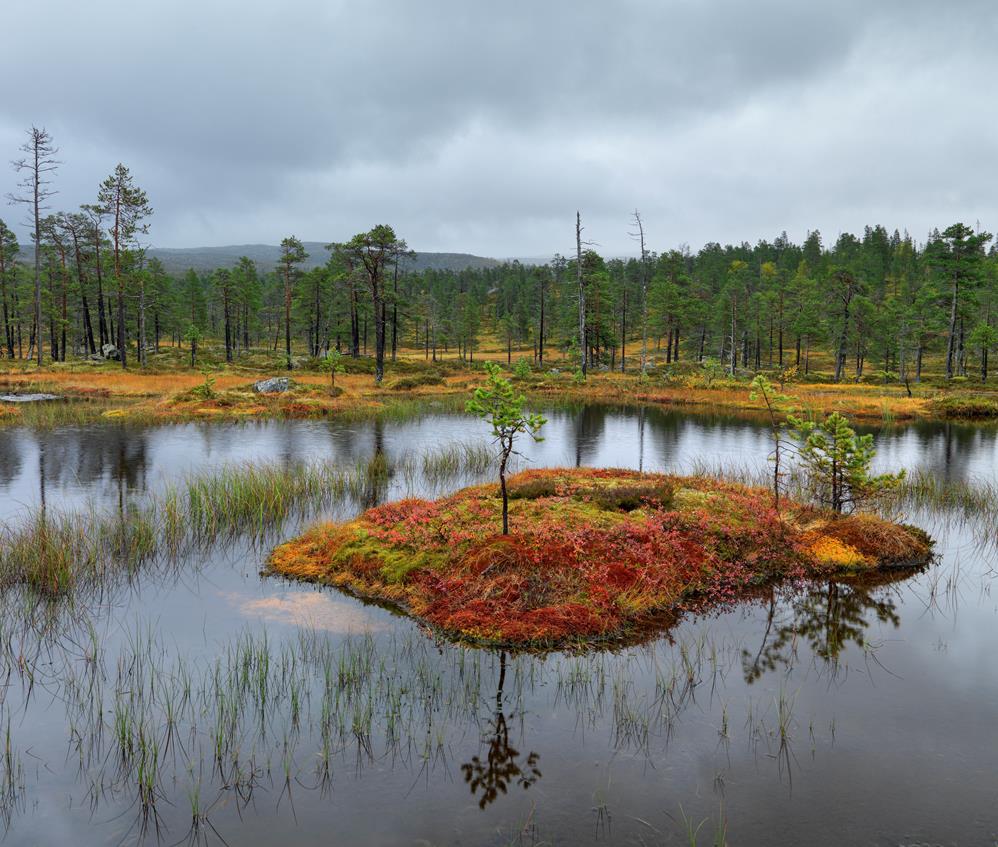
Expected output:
(592, 555)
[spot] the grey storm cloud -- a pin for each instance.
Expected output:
(483, 127)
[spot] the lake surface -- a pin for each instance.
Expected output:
(275, 712)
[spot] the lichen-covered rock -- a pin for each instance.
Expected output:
(274, 385)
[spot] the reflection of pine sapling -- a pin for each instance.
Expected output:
(837, 463)
(497, 403)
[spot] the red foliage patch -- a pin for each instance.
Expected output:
(586, 558)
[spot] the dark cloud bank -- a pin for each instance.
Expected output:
(482, 127)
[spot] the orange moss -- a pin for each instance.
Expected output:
(826, 550)
(593, 554)
(877, 540)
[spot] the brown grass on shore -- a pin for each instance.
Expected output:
(165, 394)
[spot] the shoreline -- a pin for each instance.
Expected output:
(108, 395)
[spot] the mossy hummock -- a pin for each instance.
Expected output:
(592, 555)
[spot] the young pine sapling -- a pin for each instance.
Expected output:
(333, 362)
(497, 403)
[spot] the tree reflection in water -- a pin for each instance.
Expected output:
(827, 616)
(378, 471)
(501, 767)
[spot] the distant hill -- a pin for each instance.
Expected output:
(176, 260)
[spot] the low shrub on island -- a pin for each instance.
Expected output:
(592, 555)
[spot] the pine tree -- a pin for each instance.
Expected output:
(292, 255)
(837, 463)
(127, 207)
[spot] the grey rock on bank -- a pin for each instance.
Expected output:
(274, 385)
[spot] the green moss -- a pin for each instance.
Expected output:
(395, 562)
(407, 383)
(690, 498)
(627, 498)
(534, 489)
(361, 544)
(593, 513)
(967, 406)
(398, 564)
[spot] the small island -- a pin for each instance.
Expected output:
(592, 556)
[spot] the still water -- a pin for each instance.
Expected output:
(269, 711)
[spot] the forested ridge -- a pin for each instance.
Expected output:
(178, 260)
(876, 304)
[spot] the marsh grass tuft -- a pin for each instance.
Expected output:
(12, 778)
(974, 502)
(454, 460)
(55, 553)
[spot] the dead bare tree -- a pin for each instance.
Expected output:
(582, 291)
(640, 236)
(37, 164)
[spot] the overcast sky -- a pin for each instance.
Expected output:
(481, 127)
